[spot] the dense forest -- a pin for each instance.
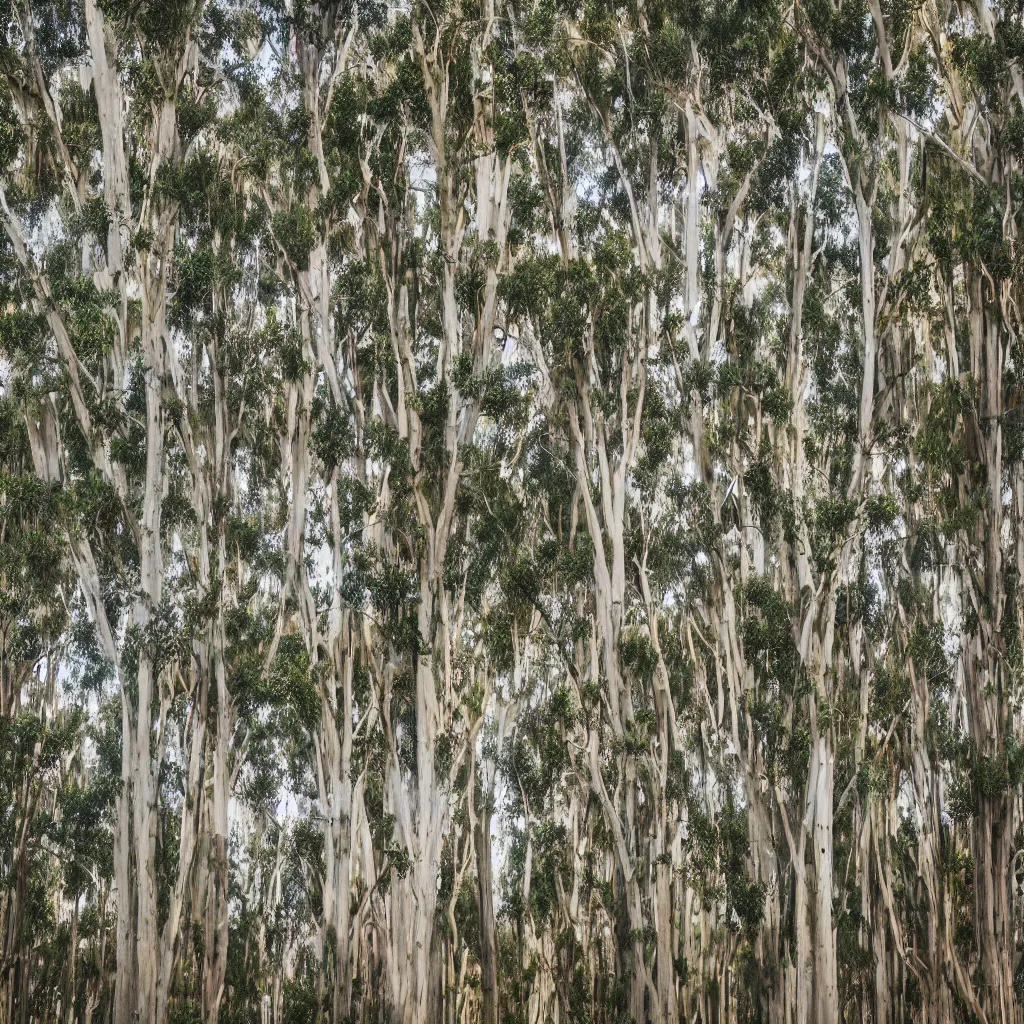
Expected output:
(511, 511)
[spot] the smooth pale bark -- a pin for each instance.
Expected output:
(485, 909)
(216, 940)
(984, 676)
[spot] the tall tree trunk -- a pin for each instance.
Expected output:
(485, 906)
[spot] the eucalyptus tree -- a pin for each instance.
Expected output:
(973, 484)
(510, 511)
(109, 178)
(396, 377)
(434, 417)
(296, 138)
(39, 732)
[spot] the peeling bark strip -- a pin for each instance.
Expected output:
(511, 513)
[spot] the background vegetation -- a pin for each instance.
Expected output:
(511, 510)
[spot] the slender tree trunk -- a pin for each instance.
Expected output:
(216, 922)
(485, 903)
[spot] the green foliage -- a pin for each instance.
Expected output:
(595, 423)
